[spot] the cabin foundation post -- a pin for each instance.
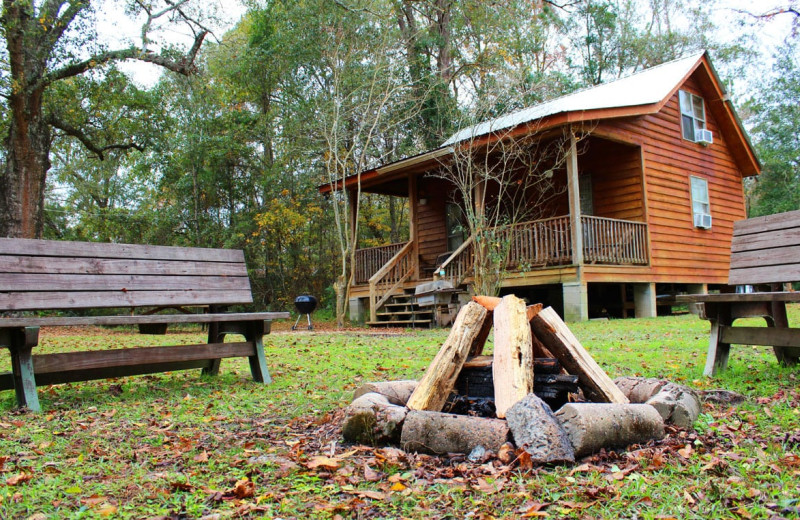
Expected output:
(357, 310)
(644, 300)
(696, 288)
(576, 301)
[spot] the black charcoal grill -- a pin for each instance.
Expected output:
(305, 304)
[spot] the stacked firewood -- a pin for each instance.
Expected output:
(537, 363)
(521, 335)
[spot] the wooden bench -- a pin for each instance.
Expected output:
(765, 253)
(42, 275)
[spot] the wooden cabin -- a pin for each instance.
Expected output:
(652, 186)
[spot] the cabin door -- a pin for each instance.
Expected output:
(456, 229)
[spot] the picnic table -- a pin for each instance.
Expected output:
(765, 260)
(45, 275)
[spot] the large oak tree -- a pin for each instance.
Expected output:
(52, 41)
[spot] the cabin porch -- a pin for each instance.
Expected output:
(599, 235)
(539, 251)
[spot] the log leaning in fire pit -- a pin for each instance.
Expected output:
(512, 368)
(556, 336)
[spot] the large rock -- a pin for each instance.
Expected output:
(436, 432)
(536, 430)
(372, 419)
(594, 426)
(397, 392)
(678, 405)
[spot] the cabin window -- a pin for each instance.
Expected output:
(693, 114)
(455, 227)
(701, 209)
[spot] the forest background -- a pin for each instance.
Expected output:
(232, 154)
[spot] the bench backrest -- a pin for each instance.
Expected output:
(766, 250)
(46, 274)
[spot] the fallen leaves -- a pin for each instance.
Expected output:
(323, 462)
(18, 479)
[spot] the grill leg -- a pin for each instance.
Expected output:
(310, 326)
(294, 327)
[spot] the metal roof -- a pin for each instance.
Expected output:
(642, 88)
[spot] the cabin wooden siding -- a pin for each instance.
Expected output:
(679, 251)
(616, 171)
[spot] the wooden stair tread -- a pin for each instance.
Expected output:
(398, 322)
(403, 313)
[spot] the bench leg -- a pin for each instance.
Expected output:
(717, 357)
(22, 342)
(258, 362)
(214, 336)
(786, 355)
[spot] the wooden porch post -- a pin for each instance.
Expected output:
(574, 203)
(576, 298)
(413, 202)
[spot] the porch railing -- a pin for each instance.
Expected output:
(538, 243)
(613, 241)
(548, 242)
(390, 277)
(458, 266)
(370, 260)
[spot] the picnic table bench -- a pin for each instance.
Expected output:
(765, 253)
(44, 275)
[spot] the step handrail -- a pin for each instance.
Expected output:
(389, 277)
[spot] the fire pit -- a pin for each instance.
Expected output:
(540, 392)
(305, 304)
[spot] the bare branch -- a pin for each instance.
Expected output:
(183, 66)
(151, 17)
(86, 140)
(55, 27)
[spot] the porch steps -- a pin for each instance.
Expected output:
(402, 311)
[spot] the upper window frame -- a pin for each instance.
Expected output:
(693, 114)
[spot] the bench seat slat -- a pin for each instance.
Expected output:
(740, 297)
(67, 265)
(78, 283)
(767, 336)
(68, 367)
(779, 256)
(18, 301)
(92, 359)
(763, 275)
(76, 321)
(767, 223)
(771, 240)
(25, 246)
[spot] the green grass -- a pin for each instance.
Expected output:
(184, 446)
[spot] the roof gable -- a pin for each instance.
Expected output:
(647, 87)
(638, 94)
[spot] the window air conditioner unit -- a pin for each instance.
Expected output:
(704, 137)
(702, 220)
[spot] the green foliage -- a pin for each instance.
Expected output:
(776, 121)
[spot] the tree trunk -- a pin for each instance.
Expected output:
(27, 162)
(28, 141)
